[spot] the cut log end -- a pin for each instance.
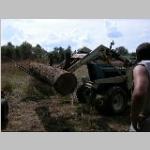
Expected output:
(66, 84)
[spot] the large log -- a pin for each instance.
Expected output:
(64, 82)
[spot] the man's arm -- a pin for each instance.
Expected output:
(141, 83)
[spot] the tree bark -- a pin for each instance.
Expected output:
(63, 82)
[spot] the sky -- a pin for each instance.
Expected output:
(77, 33)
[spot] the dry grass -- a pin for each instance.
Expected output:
(33, 110)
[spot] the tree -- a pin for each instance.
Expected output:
(26, 50)
(121, 50)
(56, 54)
(133, 54)
(37, 51)
(61, 54)
(68, 51)
(68, 54)
(50, 58)
(8, 51)
(17, 53)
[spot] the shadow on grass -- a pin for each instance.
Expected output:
(98, 122)
(92, 120)
(53, 124)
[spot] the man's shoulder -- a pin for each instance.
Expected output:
(140, 71)
(139, 68)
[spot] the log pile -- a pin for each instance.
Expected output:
(62, 81)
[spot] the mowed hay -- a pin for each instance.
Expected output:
(6, 86)
(38, 88)
(52, 114)
(62, 81)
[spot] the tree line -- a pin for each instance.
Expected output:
(57, 55)
(27, 51)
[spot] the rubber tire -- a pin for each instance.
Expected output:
(83, 94)
(101, 106)
(4, 109)
(112, 93)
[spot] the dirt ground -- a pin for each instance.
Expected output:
(53, 113)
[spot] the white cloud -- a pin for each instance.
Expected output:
(75, 32)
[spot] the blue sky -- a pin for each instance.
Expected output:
(77, 33)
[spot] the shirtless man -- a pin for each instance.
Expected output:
(140, 108)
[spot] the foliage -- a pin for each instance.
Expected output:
(27, 51)
(7, 50)
(59, 54)
(121, 50)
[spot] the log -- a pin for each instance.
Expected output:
(63, 82)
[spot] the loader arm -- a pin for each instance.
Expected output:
(101, 52)
(98, 52)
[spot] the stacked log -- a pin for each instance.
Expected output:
(63, 82)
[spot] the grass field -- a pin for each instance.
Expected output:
(31, 110)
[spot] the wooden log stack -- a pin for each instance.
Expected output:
(63, 82)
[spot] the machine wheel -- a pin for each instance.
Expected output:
(100, 103)
(84, 94)
(4, 109)
(117, 100)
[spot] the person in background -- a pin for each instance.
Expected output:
(140, 107)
